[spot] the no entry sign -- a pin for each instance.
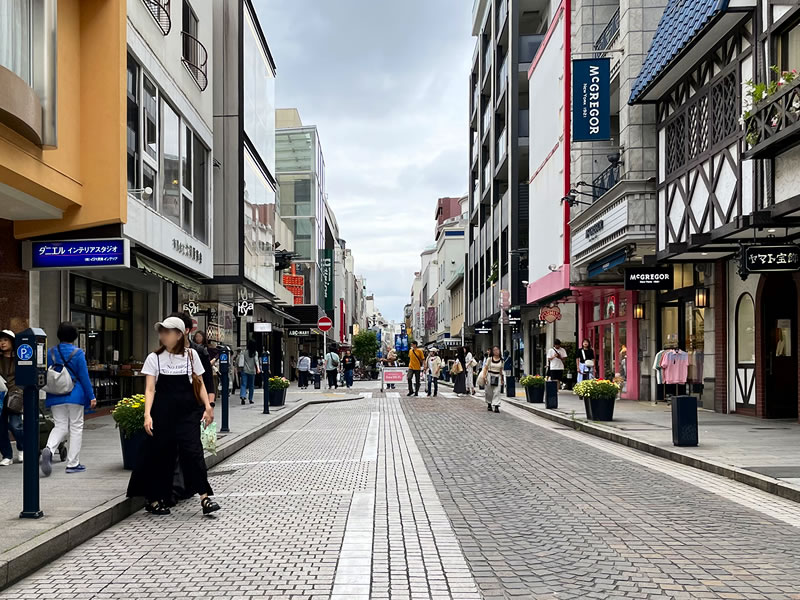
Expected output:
(324, 324)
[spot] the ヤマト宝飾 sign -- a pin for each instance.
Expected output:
(81, 254)
(765, 259)
(591, 99)
(648, 278)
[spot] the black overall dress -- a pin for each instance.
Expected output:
(176, 434)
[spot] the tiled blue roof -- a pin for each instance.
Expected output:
(681, 22)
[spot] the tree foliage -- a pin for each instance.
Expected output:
(365, 346)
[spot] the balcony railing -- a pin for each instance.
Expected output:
(500, 147)
(606, 180)
(487, 59)
(160, 11)
(195, 59)
(475, 143)
(476, 99)
(528, 47)
(487, 175)
(502, 12)
(487, 120)
(609, 34)
(524, 123)
(774, 124)
(502, 76)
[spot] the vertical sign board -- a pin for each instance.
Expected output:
(591, 100)
(326, 275)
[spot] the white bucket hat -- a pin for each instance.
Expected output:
(7, 333)
(171, 323)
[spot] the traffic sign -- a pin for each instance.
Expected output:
(324, 324)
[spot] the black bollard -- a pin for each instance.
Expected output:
(265, 380)
(224, 367)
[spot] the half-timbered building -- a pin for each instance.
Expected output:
(721, 76)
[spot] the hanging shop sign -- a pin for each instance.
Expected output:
(326, 275)
(591, 99)
(401, 342)
(768, 259)
(299, 332)
(262, 327)
(550, 314)
(648, 278)
(244, 308)
(77, 254)
(482, 330)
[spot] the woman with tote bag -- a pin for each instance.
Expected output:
(492, 376)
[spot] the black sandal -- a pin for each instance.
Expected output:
(157, 508)
(209, 505)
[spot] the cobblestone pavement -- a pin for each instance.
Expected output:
(335, 504)
(542, 511)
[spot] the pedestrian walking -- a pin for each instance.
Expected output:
(170, 420)
(332, 369)
(493, 380)
(416, 358)
(348, 365)
(11, 413)
(250, 368)
(469, 368)
(234, 370)
(433, 370)
(68, 409)
(293, 368)
(459, 371)
(303, 370)
(585, 361)
(555, 361)
(197, 342)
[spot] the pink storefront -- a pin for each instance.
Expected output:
(606, 317)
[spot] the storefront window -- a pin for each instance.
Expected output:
(745, 330)
(622, 355)
(101, 321)
(669, 326)
(695, 341)
(15, 38)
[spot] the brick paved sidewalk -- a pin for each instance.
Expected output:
(66, 499)
(545, 512)
(334, 504)
(768, 447)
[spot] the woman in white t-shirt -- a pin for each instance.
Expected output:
(172, 417)
(555, 361)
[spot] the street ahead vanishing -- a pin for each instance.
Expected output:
(395, 497)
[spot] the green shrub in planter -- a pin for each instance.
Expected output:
(278, 383)
(128, 415)
(599, 396)
(532, 381)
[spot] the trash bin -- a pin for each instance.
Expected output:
(317, 381)
(684, 421)
(511, 389)
(551, 394)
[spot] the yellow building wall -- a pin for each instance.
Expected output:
(86, 174)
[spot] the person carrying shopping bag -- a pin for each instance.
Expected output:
(493, 380)
(585, 361)
(174, 392)
(11, 410)
(68, 408)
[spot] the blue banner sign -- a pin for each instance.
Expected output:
(591, 100)
(401, 342)
(77, 254)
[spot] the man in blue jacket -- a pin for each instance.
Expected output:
(68, 409)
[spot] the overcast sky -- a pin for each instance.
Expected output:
(387, 85)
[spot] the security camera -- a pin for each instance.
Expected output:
(148, 191)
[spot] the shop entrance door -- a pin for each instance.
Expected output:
(779, 300)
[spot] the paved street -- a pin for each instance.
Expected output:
(389, 497)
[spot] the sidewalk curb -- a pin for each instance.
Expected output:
(761, 482)
(34, 554)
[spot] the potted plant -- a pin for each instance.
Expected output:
(128, 416)
(534, 388)
(599, 396)
(277, 390)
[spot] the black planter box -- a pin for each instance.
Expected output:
(601, 409)
(534, 395)
(131, 449)
(277, 397)
(551, 394)
(684, 421)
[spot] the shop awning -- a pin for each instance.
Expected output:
(607, 262)
(153, 268)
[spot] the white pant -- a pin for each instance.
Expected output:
(492, 393)
(69, 422)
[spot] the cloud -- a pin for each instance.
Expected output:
(386, 83)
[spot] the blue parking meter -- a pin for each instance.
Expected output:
(265, 380)
(31, 374)
(224, 368)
